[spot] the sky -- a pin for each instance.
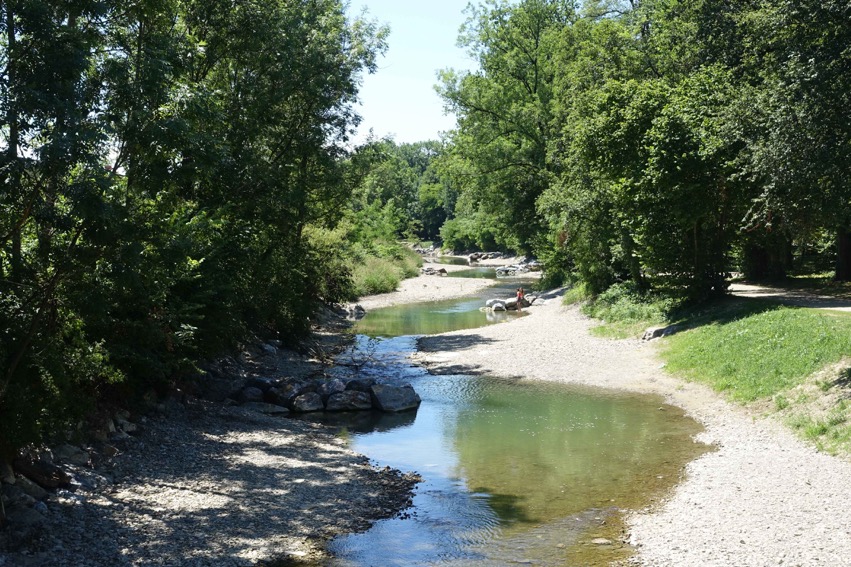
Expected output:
(399, 100)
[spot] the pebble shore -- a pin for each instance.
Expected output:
(763, 497)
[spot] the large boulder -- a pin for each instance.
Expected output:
(217, 389)
(46, 474)
(361, 385)
(73, 455)
(263, 383)
(309, 402)
(350, 400)
(328, 388)
(31, 489)
(7, 475)
(394, 398)
(287, 393)
(250, 394)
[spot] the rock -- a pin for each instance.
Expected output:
(361, 385)
(71, 454)
(15, 496)
(329, 388)
(269, 348)
(286, 394)
(311, 401)
(498, 306)
(21, 516)
(7, 475)
(601, 541)
(263, 383)
(350, 400)
(394, 398)
(217, 389)
(656, 332)
(126, 426)
(355, 312)
(250, 394)
(31, 489)
(46, 474)
(268, 409)
(492, 302)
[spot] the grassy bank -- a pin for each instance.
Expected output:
(785, 360)
(381, 273)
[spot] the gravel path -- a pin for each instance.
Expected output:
(763, 498)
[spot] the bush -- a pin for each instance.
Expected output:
(625, 303)
(375, 275)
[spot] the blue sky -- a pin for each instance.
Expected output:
(399, 99)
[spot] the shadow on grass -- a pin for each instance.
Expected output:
(720, 311)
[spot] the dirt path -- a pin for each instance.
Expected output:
(763, 498)
(797, 297)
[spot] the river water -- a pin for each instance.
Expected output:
(514, 472)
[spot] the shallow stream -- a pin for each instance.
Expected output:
(514, 472)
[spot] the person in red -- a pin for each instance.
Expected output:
(520, 296)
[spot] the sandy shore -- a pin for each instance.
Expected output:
(762, 498)
(433, 288)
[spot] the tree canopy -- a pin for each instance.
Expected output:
(167, 169)
(663, 142)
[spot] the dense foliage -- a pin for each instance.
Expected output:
(661, 142)
(172, 172)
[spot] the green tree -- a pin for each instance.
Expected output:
(504, 112)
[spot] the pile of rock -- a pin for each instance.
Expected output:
(432, 271)
(481, 256)
(430, 251)
(39, 476)
(280, 396)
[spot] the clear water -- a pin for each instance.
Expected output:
(513, 471)
(435, 317)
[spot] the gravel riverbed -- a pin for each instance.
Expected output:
(208, 484)
(763, 497)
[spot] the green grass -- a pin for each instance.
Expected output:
(382, 274)
(792, 361)
(626, 312)
(760, 354)
(830, 433)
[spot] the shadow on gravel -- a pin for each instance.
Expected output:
(227, 487)
(449, 343)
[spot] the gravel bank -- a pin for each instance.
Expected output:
(206, 484)
(434, 288)
(763, 498)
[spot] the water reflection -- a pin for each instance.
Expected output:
(429, 318)
(516, 471)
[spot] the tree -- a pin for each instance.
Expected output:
(504, 112)
(165, 164)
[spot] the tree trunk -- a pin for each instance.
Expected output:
(843, 255)
(14, 134)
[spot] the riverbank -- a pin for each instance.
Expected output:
(436, 287)
(763, 497)
(204, 483)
